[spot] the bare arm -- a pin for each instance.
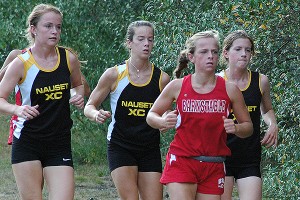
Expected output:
(105, 85)
(11, 56)
(157, 116)
(268, 114)
(76, 83)
(11, 78)
(87, 89)
(244, 128)
(165, 80)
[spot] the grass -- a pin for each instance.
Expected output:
(8, 188)
(92, 182)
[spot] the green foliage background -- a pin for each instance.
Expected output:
(96, 30)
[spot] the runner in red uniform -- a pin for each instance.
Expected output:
(194, 166)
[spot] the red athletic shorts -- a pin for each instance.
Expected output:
(207, 175)
(12, 128)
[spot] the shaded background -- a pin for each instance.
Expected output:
(96, 30)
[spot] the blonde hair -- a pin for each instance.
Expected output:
(230, 38)
(35, 16)
(190, 46)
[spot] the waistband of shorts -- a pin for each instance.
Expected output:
(215, 159)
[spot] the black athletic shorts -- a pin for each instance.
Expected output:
(243, 172)
(54, 153)
(146, 161)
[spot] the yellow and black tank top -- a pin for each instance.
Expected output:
(50, 89)
(130, 104)
(246, 152)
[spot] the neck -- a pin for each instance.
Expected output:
(204, 79)
(138, 68)
(235, 74)
(138, 64)
(43, 53)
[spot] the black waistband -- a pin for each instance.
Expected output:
(215, 159)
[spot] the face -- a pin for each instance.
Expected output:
(48, 29)
(206, 55)
(239, 54)
(142, 42)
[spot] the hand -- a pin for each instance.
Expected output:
(163, 130)
(101, 116)
(77, 100)
(27, 112)
(229, 125)
(170, 120)
(271, 137)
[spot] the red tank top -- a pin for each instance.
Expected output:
(200, 127)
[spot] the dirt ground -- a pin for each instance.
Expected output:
(92, 182)
(88, 186)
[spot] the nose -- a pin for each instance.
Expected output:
(244, 52)
(55, 29)
(147, 42)
(210, 54)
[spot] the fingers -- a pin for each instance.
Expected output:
(101, 116)
(29, 112)
(78, 101)
(269, 140)
(229, 125)
(170, 120)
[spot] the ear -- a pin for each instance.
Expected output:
(191, 57)
(128, 44)
(225, 54)
(33, 29)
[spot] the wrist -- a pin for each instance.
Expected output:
(236, 129)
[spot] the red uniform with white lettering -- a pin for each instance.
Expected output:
(199, 132)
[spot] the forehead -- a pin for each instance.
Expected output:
(208, 42)
(51, 17)
(242, 42)
(143, 31)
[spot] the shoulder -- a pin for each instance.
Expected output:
(231, 88)
(165, 78)
(72, 54)
(72, 57)
(111, 73)
(15, 68)
(11, 56)
(14, 53)
(264, 83)
(263, 78)
(175, 84)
